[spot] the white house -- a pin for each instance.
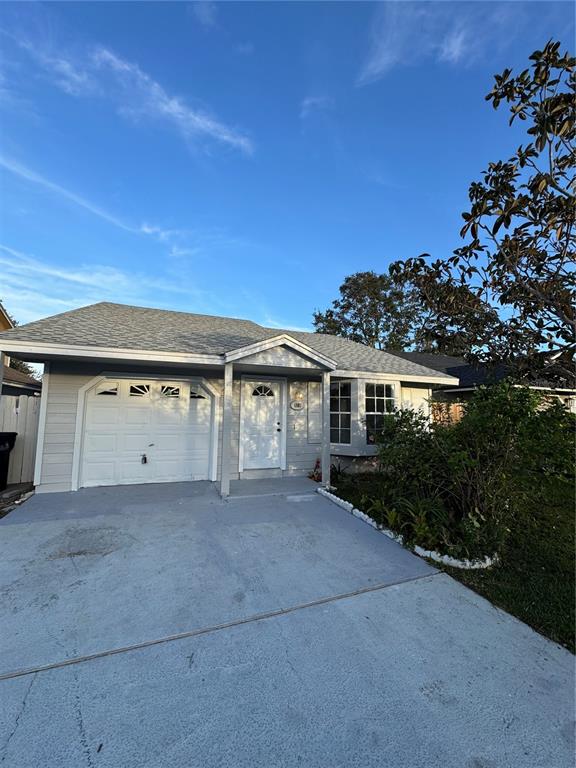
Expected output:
(138, 395)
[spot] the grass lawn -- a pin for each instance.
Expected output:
(536, 579)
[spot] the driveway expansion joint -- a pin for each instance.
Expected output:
(213, 628)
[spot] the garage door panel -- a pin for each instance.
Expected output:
(137, 416)
(99, 442)
(135, 441)
(131, 470)
(170, 442)
(171, 415)
(103, 416)
(99, 473)
(173, 432)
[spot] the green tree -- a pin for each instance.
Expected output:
(508, 292)
(374, 309)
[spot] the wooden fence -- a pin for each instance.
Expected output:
(21, 415)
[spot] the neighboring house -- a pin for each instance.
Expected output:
(136, 395)
(5, 321)
(472, 376)
(17, 383)
(13, 382)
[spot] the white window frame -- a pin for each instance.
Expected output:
(339, 413)
(376, 397)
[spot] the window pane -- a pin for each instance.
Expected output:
(334, 388)
(345, 421)
(370, 405)
(345, 403)
(139, 390)
(380, 405)
(389, 390)
(334, 436)
(334, 404)
(344, 436)
(370, 390)
(166, 390)
(373, 427)
(107, 389)
(334, 420)
(379, 390)
(345, 389)
(390, 406)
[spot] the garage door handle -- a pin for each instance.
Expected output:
(150, 445)
(278, 430)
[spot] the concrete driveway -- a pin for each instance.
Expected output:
(263, 631)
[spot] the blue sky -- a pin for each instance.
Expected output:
(243, 158)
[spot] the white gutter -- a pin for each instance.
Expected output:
(110, 353)
(47, 351)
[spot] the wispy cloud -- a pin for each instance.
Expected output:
(101, 73)
(35, 178)
(144, 96)
(64, 288)
(181, 242)
(409, 33)
(205, 12)
(69, 75)
(312, 104)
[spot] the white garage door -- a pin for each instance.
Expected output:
(143, 431)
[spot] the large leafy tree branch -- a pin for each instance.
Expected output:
(375, 309)
(508, 292)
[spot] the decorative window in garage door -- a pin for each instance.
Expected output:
(139, 390)
(262, 391)
(196, 395)
(107, 388)
(167, 390)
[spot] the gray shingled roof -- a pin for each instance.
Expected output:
(12, 376)
(125, 327)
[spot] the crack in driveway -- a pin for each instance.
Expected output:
(214, 628)
(17, 720)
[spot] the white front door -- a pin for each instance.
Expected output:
(146, 431)
(261, 425)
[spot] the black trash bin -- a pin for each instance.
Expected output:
(7, 440)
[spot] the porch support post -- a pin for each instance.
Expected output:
(2, 363)
(326, 428)
(226, 430)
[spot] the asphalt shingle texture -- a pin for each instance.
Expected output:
(120, 326)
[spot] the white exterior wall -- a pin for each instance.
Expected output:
(303, 439)
(61, 393)
(301, 454)
(56, 451)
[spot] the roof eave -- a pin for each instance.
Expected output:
(42, 350)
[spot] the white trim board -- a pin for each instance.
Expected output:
(41, 425)
(108, 353)
(401, 377)
(71, 352)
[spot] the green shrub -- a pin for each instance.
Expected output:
(459, 487)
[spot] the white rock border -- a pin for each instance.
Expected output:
(468, 565)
